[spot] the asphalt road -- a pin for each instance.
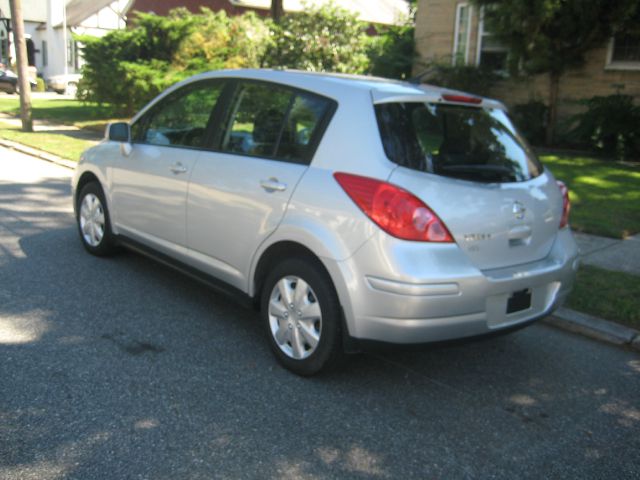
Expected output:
(123, 369)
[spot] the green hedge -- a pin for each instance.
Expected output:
(127, 68)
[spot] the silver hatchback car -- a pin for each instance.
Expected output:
(350, 210)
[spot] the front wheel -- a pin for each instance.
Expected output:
(302, 317)
(93, 221)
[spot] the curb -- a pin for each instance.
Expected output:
(34, 152)
(594, 327)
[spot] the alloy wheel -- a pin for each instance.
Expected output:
(92, 220)
(295, 318)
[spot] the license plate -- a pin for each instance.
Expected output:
(519, 301)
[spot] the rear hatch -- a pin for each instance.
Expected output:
(469, 164)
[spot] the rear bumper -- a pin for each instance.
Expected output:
(434, 294)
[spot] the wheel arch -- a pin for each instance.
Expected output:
(89, 176)
(287, 249)
(276, 252)
(86, 178)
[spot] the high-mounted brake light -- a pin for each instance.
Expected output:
(461, 99)
(394, 210)
(566, 204)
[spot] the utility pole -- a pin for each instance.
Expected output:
(276, 10)
(64, 38)
(17, 21)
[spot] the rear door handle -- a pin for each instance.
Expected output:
(273, 185)
(178, 168)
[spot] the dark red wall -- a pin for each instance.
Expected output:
(162, 8)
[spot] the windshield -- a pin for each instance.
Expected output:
(470, 143)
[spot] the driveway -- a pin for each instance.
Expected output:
(122, 369)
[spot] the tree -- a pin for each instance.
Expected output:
(392, 51)
(23, 72)
(322, 38)
(276, 10)
(127, 68)
(550, 36)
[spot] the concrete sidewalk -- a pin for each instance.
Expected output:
(610, 253)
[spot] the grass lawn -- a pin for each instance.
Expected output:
(605, 195)
(610, 295)
(61, 110)
(56, 143)
(88, 116)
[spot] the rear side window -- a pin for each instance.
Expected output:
(470, 143)
(275, 122)
(256, 121)
(181, 119)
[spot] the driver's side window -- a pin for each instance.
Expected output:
(181, 119)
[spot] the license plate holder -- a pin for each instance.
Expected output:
(519, 301)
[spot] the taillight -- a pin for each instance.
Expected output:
(566, 204)
(396, 211)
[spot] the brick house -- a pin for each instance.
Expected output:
(387, 12)
(453, 31)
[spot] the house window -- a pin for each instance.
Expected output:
(492, 54)
(624, 51)
(45, 54)
(462, 34)
(4, 47)
(72, 54)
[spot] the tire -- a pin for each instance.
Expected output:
(305, 332)
(93, 221)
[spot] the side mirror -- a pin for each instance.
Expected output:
(118, 132)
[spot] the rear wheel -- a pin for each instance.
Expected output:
(302, 317)
(93, 221)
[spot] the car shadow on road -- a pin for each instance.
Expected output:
(122, 368)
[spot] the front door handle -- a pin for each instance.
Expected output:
(273, 185)
(178, 168)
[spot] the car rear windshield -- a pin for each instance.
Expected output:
(469, 143)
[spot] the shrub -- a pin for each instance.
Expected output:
(321, 38)
(610, 125)
(531, 119)
(219, 41)
(129, 67)
(41, 86)
(461, 77)
(392, 51)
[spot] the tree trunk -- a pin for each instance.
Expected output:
(552, 121)
(17, 22)
(276, 10)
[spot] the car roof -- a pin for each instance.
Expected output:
(340, 86)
